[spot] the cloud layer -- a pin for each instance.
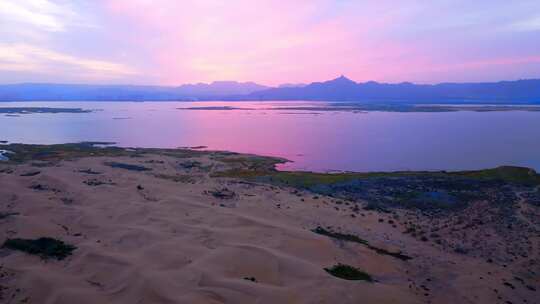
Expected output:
(271, 42)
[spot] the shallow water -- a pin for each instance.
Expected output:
(4, 155)
(318, 141)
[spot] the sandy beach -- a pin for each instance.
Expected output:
(167, 227)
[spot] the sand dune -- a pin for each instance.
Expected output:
(142, 239)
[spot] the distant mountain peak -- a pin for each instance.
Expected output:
(338, 89)
(342, 79)
(344, 89)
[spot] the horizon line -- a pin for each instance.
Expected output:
(260, 84)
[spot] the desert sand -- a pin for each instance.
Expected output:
(172, 234)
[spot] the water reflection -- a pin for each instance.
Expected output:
(320, 141)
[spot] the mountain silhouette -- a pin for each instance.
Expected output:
(344, 89)
(339, 89)
(74, 92)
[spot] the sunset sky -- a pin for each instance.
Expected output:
(269, 42)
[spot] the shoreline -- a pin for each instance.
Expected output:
(193, 226)
(277, 160)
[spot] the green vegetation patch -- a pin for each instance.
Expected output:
(4, 215)
(185, 178)
(509, 174)
(437, 192)
(90, 171)
(261, 164)
(347, 272)
(51, 153)
(305, 179)
(397, 255)
(340, 236)
(190, 164)
(223, 193)
(31, 173)
(44, 247)
(125, 166)
(178, 153)
(355, 239)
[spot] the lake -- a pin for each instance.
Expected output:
(313, 140)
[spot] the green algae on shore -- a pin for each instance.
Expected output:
(25, 152)
(258, 168)
(305, 179)
(437, 192)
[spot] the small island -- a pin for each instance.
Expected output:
(379, 107)
(34, 110)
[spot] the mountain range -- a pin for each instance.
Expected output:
(87, 92)
(339, 89)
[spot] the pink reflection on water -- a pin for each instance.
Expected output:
(328, 141)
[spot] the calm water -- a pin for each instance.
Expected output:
(322, 141)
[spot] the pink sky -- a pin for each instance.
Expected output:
(270, 42)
